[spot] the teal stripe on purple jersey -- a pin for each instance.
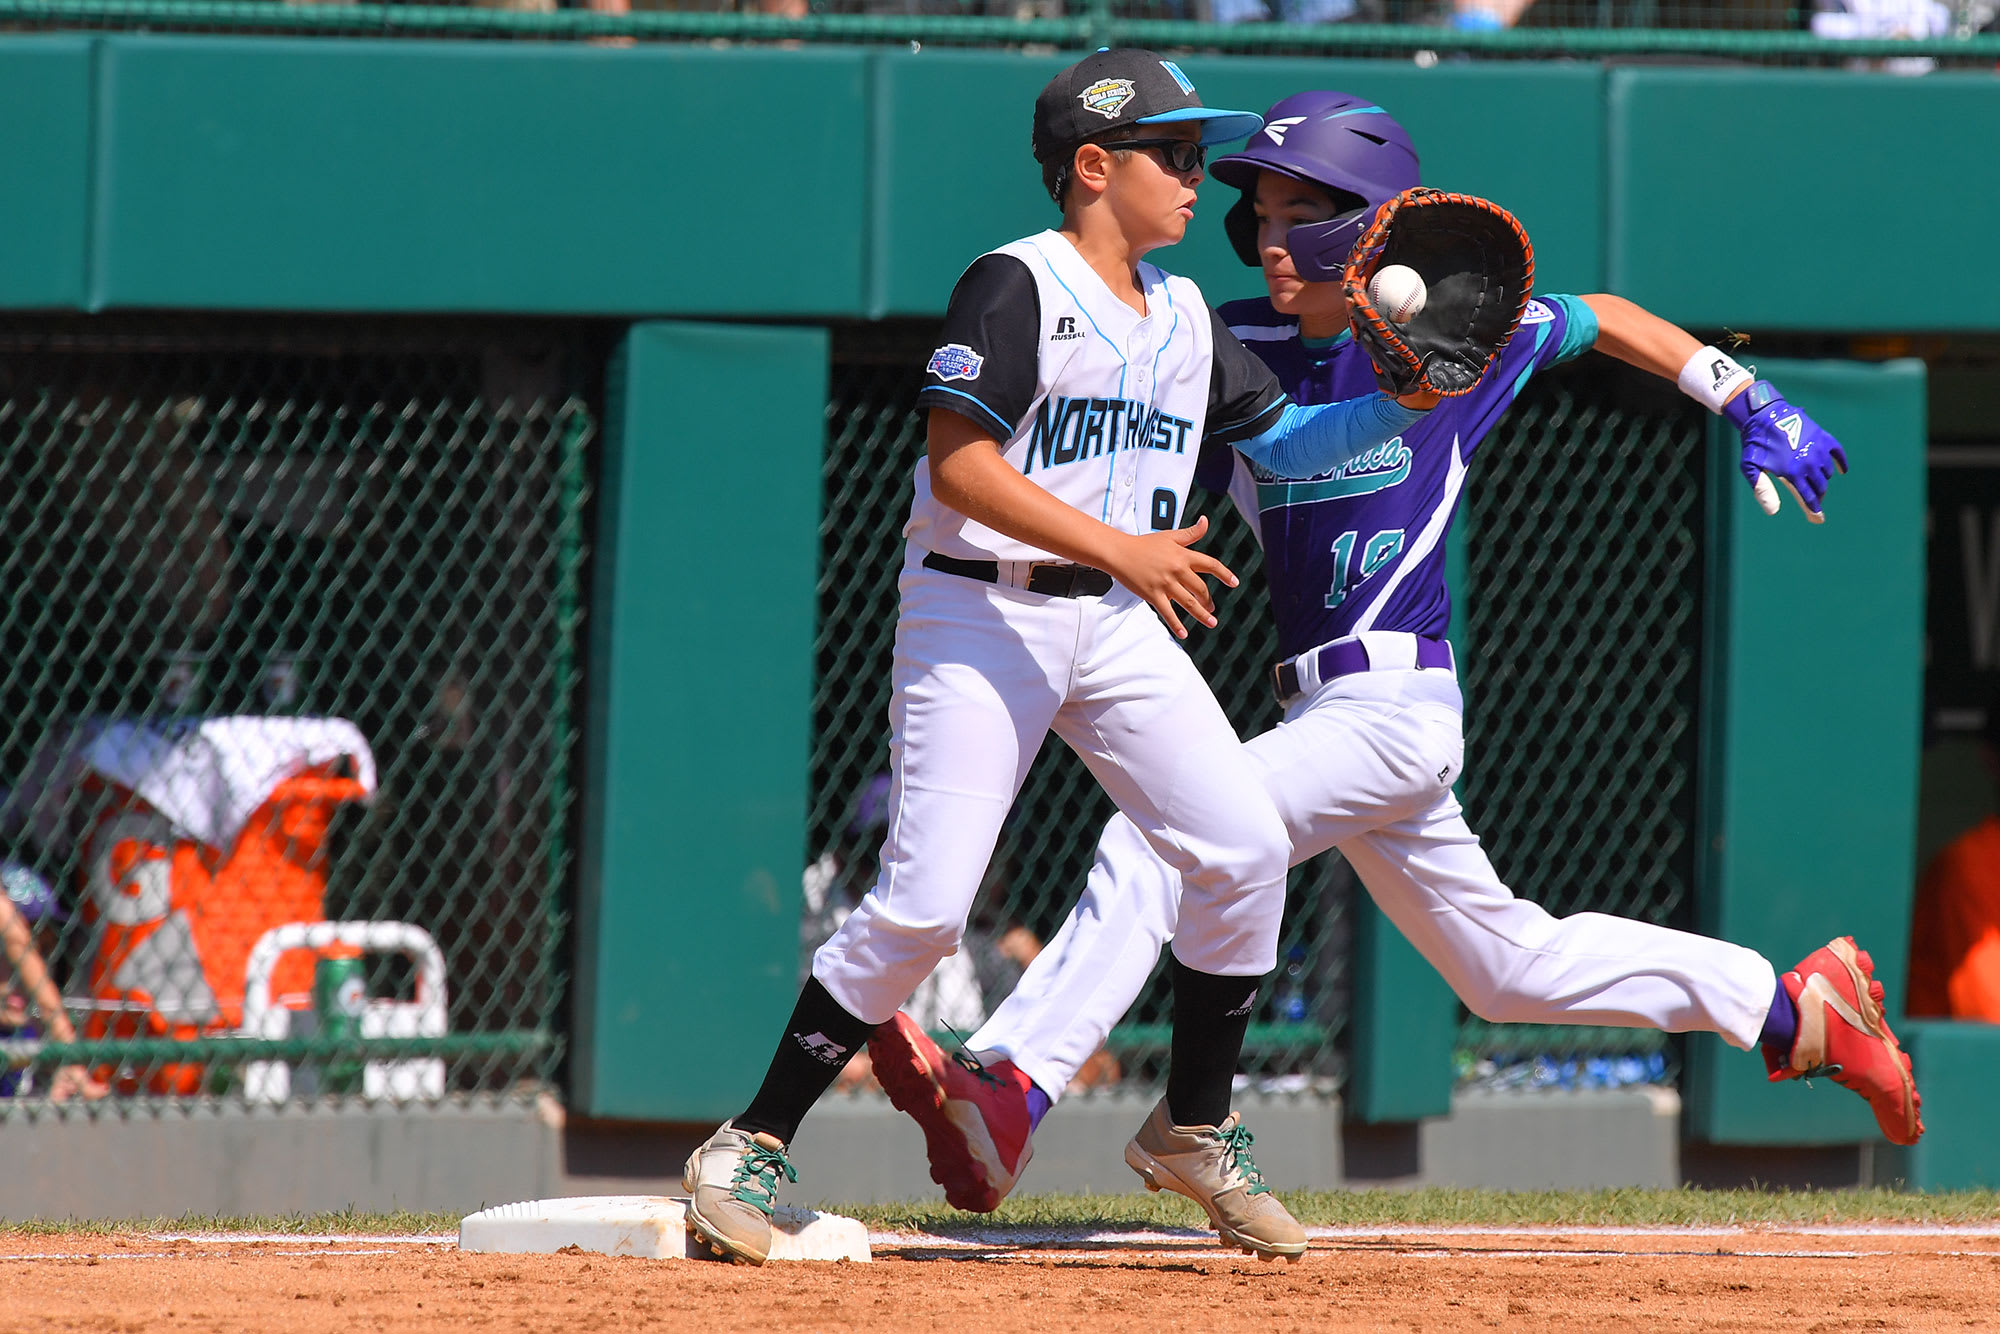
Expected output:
(1362, 547)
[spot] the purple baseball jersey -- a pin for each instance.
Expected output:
(1362, 547)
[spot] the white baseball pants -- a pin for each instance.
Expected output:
(982, 673)
(1366, 765)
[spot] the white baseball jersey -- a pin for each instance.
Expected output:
(1100, 406)
(1107, 409)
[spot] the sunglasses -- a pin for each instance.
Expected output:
(1179, 155)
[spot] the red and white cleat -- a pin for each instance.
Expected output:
(975, 1117)
(1844, 1035)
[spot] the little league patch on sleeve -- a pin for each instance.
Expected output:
(955, 361)
(1536, 313)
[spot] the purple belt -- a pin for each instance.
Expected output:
(1343, 657)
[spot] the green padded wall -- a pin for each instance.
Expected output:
(1958, 1074)
(1748, 199)
(1816, 655)
(339, 175)
(929, 223)
(825, 182)
(701, 638)
(45, 171)
(1405, 1023)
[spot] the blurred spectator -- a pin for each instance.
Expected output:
(1487, 15)
(1265, 11)
(1281, 11)
(1955, 932)
(1851, 19)
(29, 916)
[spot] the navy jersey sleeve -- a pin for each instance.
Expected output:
(1243, 395)
(987, 360)
(1214, 466)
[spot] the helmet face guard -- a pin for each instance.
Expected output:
(1318, 249)
(1333, 140)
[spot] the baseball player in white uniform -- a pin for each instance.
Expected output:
(1069, 398)
(1371, 741)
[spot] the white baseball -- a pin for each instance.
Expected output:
(1398, 292)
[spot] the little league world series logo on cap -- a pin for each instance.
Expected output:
(956, 361)
(1107, 97)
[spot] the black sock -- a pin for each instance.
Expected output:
(1211, 1015)
(818, 1042)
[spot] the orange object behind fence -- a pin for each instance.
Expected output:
(174, 920)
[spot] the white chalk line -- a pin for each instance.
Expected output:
(1670, 1230)
(997, 1236)
(312, 1239)
(312, 1254)
(1437, 1242)
(1164, 1243)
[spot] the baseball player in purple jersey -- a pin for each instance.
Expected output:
(1372, 742)
(1068, 404)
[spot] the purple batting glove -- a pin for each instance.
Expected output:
(1782, 442)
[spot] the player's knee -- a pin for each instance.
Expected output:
(1485, 1001)
(931, 940)
(894, 938)
(1264, 849)
(1232, 873)
(1495, 1001)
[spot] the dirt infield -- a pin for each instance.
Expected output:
(1893, 1278)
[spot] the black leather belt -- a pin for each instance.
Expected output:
(1060, 581)
(1346, 656)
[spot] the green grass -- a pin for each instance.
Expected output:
(399, 1222)
(1435, 1206)
(1440, 1206)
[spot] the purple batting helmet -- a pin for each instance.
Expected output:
(1340, 142)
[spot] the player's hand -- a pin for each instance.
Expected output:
(1164, 569)
(73, 1081)
(1781, 442)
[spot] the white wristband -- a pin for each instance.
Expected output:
(1711, 376)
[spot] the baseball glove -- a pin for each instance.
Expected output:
(1479, 268)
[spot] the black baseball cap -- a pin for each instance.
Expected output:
(1128, 86)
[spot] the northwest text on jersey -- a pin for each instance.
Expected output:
(1069, 429)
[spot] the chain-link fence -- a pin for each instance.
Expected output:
(1584, 527)
(1906, 37)
(291, 618)
(1584, 629)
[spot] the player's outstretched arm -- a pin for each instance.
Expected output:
(1778, 440)
(1308, 441)
(969, 474)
